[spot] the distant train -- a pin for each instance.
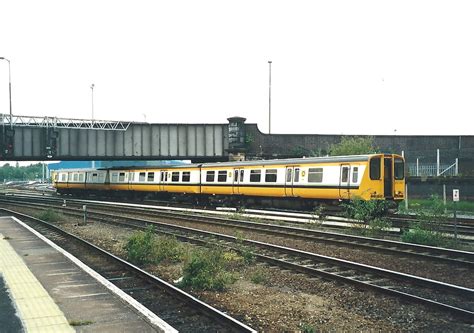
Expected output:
(300, 183)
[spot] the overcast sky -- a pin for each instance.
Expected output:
(352, 67)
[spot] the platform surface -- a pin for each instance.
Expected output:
(52, 294)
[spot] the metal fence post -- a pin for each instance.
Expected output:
(417, 167)
(437, 162)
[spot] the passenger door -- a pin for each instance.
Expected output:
(292, 178)
(345, 181)
(237, 179)
(162, 180)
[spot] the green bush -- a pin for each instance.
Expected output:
(259, 277)
(372, 215)
(206, 270)
(167, 248)
(424, 237)
(140, 246)
(49, 215)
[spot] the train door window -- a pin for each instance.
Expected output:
(255, 176)
(94, 178)
(114, 177)
(241, 176)
(289, 173)
(64, 177)
(345, 174)
(75, 177)
(315, 175)
(297, 175)
(236, 176)
(399, 169)
(81, 177)
(210, 176)
(355, 174)
(151, 177)
(222, 176)
(163, 176)
(175, 176)
(270, 176)
(121, 177)
(375, 168)
(141, 176)
(132, 176)
(186, 176)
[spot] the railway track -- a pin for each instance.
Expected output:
(178, 308)
(458, 301)
(460, 258)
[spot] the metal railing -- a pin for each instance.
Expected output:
(432, 170)
(54, 122)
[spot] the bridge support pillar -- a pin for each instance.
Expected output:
(237, 145)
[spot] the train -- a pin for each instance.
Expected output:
(303, 183)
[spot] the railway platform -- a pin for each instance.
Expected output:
(52, 292)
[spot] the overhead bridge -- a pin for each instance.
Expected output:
(51, 138)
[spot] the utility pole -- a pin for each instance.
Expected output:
(270, 97)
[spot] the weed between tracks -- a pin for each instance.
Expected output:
(49, 215)
(202, 268)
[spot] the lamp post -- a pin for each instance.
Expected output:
(92, 89)
(9, 90)
(270, 97)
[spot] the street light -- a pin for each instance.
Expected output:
(270, 97)
(9, 90)
(92, 89)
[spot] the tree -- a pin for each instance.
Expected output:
(353, 146)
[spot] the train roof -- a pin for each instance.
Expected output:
(309, 160)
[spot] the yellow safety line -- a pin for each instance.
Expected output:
(36, 308)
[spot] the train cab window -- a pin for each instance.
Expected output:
(121, 176)
(375, 168)
(241, 176)
(186, 176)
(270, 176)
(355, 174)
(151, 177)
(297, 175)
(114, 177)
(210, 176)
(255, 176)
(289, 173)
(222, 176)
(175, 176)
(399, 169)
(141, 176)
(315, 175)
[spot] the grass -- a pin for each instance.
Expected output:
(49, 215)
(80, 322)
(461, 206)
(259, 277)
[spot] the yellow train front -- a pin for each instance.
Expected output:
(296, 183)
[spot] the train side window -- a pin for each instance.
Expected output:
(315, 175)
(175, 176)
(114, 177)
(222, 176)
(289, 173)
(345, 174)
(375, 168)
(186, 176)
(75, 177)
(399, 169)
(270, 176)
(241, 176)
(210, 176)
(355, 174)
(141, 177)
(297, 175)
(255, 176)
(151, 177)
(121, 176)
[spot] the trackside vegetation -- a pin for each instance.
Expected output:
(370, 216)
(202, 268)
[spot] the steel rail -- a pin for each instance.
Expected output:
(222, 317)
